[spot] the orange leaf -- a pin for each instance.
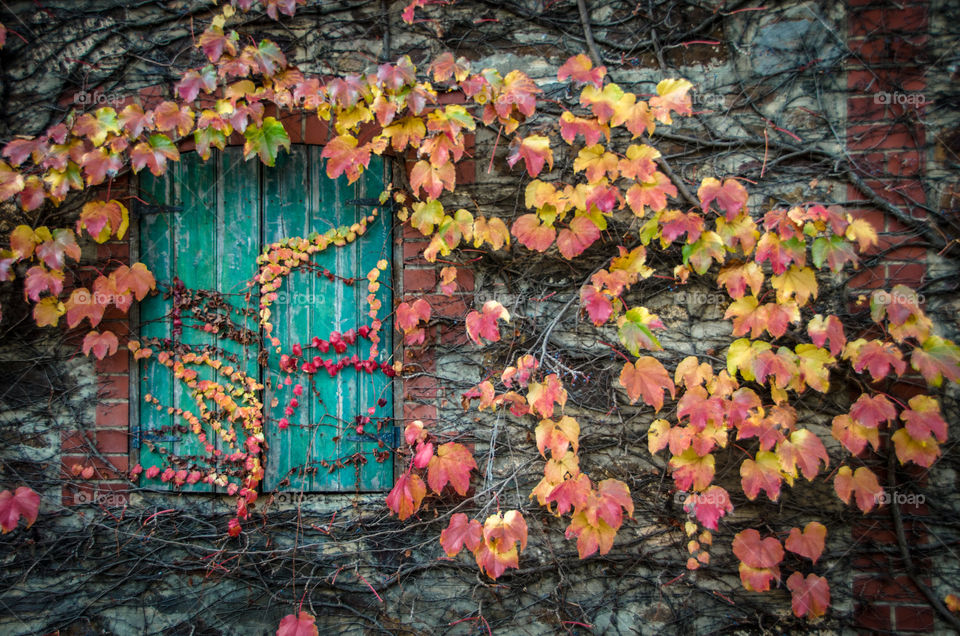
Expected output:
(808, 543)
(406, 495)
(862, 483)
(647, 379)
(461, 532)
(452, 463)
(810, 596)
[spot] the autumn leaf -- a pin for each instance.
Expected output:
(56, 246)
(647, 379)
(532, 234)
(47, 312)
(484, 325)
(821, 329)
(493, 231)
(710, 505)
(810, 596)
(302, 624)
(922, 451)
(872, 411)
(39, 280)
(599, 306)
(602, 103)
(452, 463)
(834, 251)
(24, 502)
(535, 151)
(862, 483)
(634, 329)
(923, 418)
(863, 233)
(804, 449)
(154, 154)
(543, 396)
(672, 95)
(690, 470)
(344, 157)
(808, 543)
(652, 193)
(558, 436)
(579, 68)
(701, 253)
(731, 197)
(797, 282)
(938, 358)
(103, 219)
(101, 344)
(596, 162)
(854, 436)
(589, 127)
(759, 559)
(580, 235)
(736, 278)
(406, 495)
(265, 140)
(762, 474)
(461, 532)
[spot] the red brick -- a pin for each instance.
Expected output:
(912, 254)
(115, 468)
(411, 234)
(292, 123)
(913, 619)
(884, 588)
(422, 387)
(907, 50)
(869, 278)
(880, 532)
(465, 279)
(117, 363)
(114, 251)
(113, 386)
(909, 275)
(316, 130)
(884, 136)
(448, 306)
(236, 139)
(73, 442)
(419, 280)
(113, 441)
(872, 616)
(113, 415)
(455, 336)
(465, 171)
(905, 193)
(425, 412)
(882, 21)
(413, 252)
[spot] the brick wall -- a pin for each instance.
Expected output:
(886, 140)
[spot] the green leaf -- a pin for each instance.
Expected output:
(265, 140)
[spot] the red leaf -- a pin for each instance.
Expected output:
(485, 325)
(302, 624)
(853, 436)
(691, 471)
(571, 493)
(534, 235)
(871, 411)
(82, 304)
(598, 305)
(862, 483)
(710, 505)
(923, 418)
(580, 69)
(461, 532)
(23, 503)
(921, 451)
(406, 495)
(762, 474)
(647, 378)
(672, 95)
(102, 344)
(582, 233)
(652, 193)
(53, 250)
(452, 463)
(820, 329)
(534, 149)
(759, 559)
(432, 179)
(808, 543)
(589, 127)
(731, 197)
(137, 279)
(543, 396)
(810, 596)
(876, 356)
(39, 280)
(343, 156)
(558, 436)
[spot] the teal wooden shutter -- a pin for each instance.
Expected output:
(231, 209)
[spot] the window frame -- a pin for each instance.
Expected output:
(391, 435)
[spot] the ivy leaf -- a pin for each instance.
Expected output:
(691, 471)
(137, 279)
(461, 532)
(596, 162)
(265, 140)
(672, 95)
(13, 505)
(432, 179)
(762, 474)
(809, 597)
(635, 330)
(153, 154)
(581, 234)
(408, 319)
(302, 624)
(923, 418)
(736, 278)
(589, 127)
(82, 304)
(795, 282)
(635, 115)
(701, 253)
(56, 247)
(452, 463)
(939, 358)
(520, 92)
(580, 69)
(598, 305)
(193, 81)
(803, 448)
(808, 543)
(871, 411)
(813, 363)
(493, 231)
(407, 131)
(602, 103)
(647, 379)
(103, 219)
(742, 230)
(47, 312)
(101, 344)
(853, 436)
(591, 536)
(571, 493)
(406, 495)
(558, 436)
(533, 234)
(134, 121)
(484, 325)
(39, 280)
(922, 451)
(861, 231)
(835, 251)
(96, 126)
(820, 329)
(640, 163)
(445, 66)
(779, 253)
(100, 163)
(731, 197)
(862, 483)
(543, 396)
(498, 551)
(759, 559)
(535, 151)
(652, 193)
(169, 117)
(877, 356)
(710, 505)
(343, 156)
